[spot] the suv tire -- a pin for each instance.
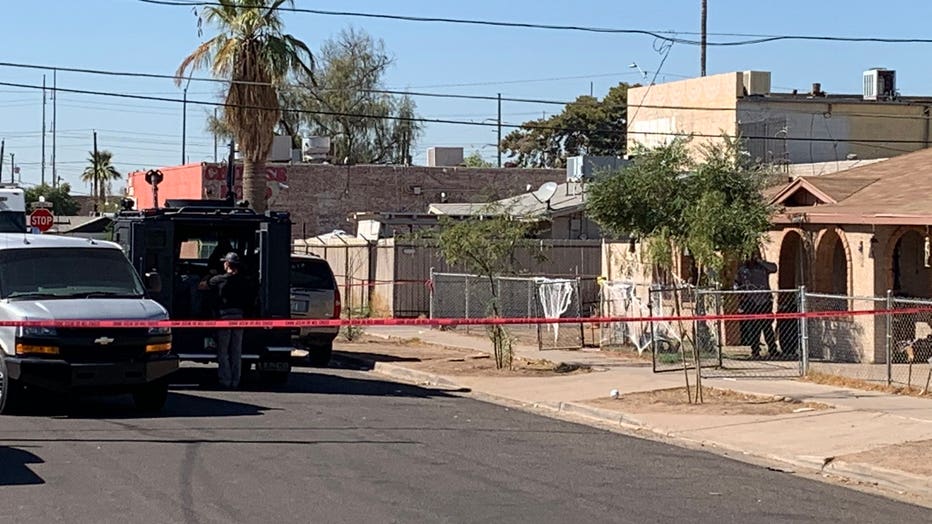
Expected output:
(318, 355)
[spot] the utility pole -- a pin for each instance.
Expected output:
(703, 16)
(499, 130)
(184, 121)
(54, 125)
(2, 148)
(43, 130)
(215, 137)
(96, 174)
(184, 124)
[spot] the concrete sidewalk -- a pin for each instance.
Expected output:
(860, 421)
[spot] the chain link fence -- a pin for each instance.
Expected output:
(465, 296)
(910, 343)
(754, 347)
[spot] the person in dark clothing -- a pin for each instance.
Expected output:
(234, 296)
(754, 277)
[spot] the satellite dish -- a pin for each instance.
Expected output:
(545, 192)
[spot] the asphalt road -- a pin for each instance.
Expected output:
(341, 446)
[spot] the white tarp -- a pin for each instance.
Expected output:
(556, 295)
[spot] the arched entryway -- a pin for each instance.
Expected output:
(832, 264)
(910, 275)
(792, 264)
(791, 273)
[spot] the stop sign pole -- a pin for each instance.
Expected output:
(41, 219)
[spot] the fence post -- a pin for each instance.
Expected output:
(466, 278)
(888, 340)
(803, 333)
(650, 313)
(430, 290)
(579, 313)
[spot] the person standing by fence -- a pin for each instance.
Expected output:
(754, 278)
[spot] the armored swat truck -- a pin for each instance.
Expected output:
(184, 242)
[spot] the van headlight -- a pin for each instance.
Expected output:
(32, 331)
(156, 331)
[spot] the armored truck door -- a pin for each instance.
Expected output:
(274, 240)
(153, 251)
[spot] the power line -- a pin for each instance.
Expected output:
(526, 126)
(667, 36)
(135, 74)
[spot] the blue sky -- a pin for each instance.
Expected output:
(131, 36)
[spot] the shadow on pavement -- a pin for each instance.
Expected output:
(332, 384)
(179, 404)
(14, 470)
(365, 361)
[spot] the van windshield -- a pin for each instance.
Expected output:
(50, 273)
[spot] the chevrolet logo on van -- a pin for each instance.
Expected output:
(103, 341)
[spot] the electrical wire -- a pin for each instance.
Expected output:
(134, 74)
(660, 35)
(526, 126)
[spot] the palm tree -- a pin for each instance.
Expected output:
(251, 51)
(100, 173)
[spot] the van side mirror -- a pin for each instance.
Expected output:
(154, 282)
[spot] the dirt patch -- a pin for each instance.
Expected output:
(853, 383)
(442, 360)
(715, 402)
(911, 457)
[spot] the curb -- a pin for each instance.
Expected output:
(891, 480)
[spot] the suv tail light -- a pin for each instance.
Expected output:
(337, 304)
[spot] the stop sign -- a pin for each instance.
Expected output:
(41, 219)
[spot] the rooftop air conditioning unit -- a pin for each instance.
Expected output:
(281, 149)
(585, 166)
(315, 148)
(879, 84)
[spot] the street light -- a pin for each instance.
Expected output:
(634, 65)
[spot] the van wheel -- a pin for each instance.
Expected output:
(152, 396)
(11, 391)
(319, 355)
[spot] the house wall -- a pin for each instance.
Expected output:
(841, 126)
(574, 227)
(716, 92)
(322, 197)
(833, 124)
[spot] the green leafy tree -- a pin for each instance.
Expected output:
(101, 174)
(713, 206)
(586, 126)
(62, 202)
(365, 126)
(252, 50)
(485, 246)
(475, 160)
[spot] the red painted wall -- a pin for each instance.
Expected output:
(185, 181)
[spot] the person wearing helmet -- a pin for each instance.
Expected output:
(234, 297)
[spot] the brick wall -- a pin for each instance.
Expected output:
(322, 197)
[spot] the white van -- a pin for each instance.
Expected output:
(45, 277)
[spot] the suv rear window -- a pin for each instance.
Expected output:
(311, 274)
